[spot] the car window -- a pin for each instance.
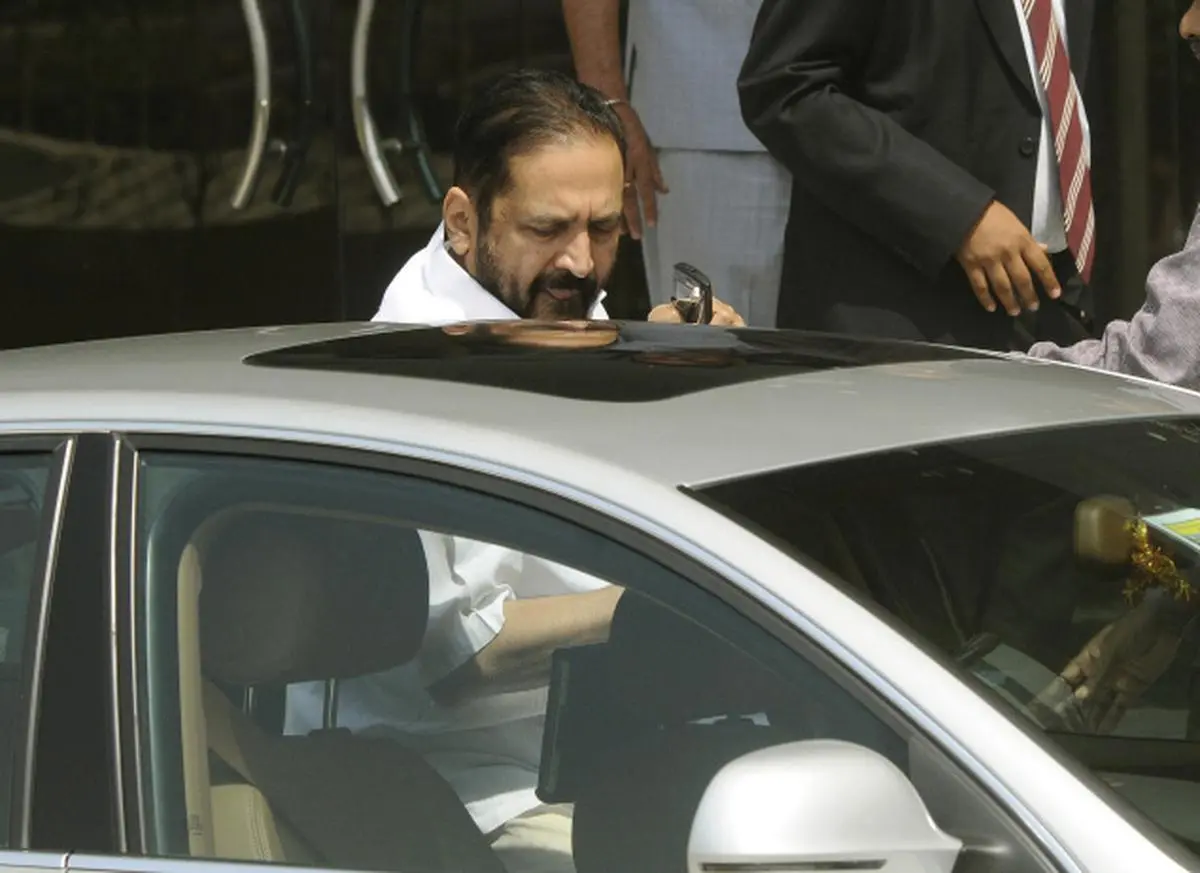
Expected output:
(366, 670)
(25, 519)
(1057, 569)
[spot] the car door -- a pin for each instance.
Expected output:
(286, 615)
(1014, 559)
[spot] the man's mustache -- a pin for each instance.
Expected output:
(586, 286)
(1194, 44)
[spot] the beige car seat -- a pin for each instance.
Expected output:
(271, 596)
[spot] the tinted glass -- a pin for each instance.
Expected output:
(593, 360)
(1060, 569)
(354, 669)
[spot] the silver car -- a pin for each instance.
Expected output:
(885, 606)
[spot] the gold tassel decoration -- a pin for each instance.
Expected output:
(1152, 567)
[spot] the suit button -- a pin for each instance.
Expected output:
(1028, 147)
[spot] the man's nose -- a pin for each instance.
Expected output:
(1189, 25)
(577, 256)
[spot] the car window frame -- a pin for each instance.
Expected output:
(733, 594)
(89, 862)
(72, 534)
(62, 451)
(17, 859)
(76, 653)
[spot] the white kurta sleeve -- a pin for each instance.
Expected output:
(467, 593)
(469, 584)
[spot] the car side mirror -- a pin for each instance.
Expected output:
(816, 805)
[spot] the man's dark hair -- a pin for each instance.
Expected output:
(516, 113)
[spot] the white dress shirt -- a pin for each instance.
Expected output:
(431, 288)
(488, 749)
(1047, 224)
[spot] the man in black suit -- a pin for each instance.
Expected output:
(919, 138)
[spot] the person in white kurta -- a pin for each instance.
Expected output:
(488, 748)
(530, 229)
(710, 194)
(486, 745)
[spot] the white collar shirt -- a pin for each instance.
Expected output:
(432, 288)
(488, 749)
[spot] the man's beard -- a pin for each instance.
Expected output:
(576, 297)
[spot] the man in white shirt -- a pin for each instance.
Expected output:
(530, 230)
(531, 226)
(703, 188)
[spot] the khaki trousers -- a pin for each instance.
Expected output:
(537, 842)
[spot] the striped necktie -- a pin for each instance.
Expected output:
(1074, 174)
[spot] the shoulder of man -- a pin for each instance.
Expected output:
(417, 306)
(408, 300)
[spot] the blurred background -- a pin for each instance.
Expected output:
(126, 128)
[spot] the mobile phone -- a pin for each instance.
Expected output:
(693, 295)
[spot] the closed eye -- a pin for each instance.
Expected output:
(607, 227)
(547, 230)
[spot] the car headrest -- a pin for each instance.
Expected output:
(291, 597)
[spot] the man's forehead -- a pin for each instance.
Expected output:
(582, 179)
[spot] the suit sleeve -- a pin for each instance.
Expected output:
(1162, 340)
(796, 90)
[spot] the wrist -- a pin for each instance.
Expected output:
(630, 120)
(620, 105)
(610, 87)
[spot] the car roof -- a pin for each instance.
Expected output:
(676, 404)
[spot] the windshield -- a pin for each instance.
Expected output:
(1058, 568)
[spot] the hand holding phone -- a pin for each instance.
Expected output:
(693, 295)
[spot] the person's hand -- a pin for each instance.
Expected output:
(1002, 260)
(1116, 666)
(643, 178)
(723, 315)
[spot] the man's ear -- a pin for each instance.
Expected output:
(458, 214)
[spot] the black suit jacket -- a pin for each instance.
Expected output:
(900, 120)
